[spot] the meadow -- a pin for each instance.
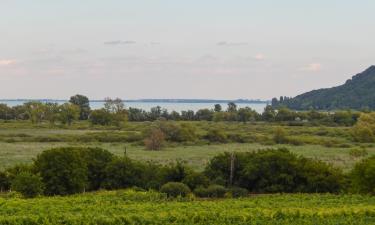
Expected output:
(132, 207)
(21, 141)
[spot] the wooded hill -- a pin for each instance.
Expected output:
(357, 93)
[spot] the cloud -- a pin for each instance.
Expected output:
(7, 62)
(313, 67)
(225, 43)
(119, 42)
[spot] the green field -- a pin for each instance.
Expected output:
(130, 207)
(20, 142)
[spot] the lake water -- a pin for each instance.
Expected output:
(170, 106)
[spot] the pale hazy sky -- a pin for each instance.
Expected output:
(216, 49)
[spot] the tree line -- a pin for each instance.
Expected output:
(65, 171)
(114, 113)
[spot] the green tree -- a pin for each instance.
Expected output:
(364, 129)
(28, 184)
(84, 105)
(63, 170)
(121, 173)
(68, 113)
(100, 117)
(217, 108)
(232, 107)
(35, 111)
(363, 176)
(97, 160)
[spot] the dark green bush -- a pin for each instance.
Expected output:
(273, 171)
(4, 182)
(195, 179)
(175, 189)
(237, 192)
(363, 176)
(63, 170)
(216, 136)
(29, 185)
(212, 191)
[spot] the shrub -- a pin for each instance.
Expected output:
(4, 182)
(237, 192)
(195, 179)
(97, 160)
(155, 140)
(273, 171)
(280, 136)
(121, 173)
(216, 135)
(175, 189)
(29, 185)
(212, 191)
(100, 117)
(63, 170)
(358, 152)
(364, 130)
(363, 176)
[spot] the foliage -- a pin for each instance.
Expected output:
(84, 105)
(63, 170)
(271, 171)
(175, 189)
(363, 176)
(212, 191)
(356, 93)
(29, 185)
(364, 130)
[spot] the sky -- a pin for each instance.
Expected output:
(217, 49)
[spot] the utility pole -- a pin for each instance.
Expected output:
(232, 159)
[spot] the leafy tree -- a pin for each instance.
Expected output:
(97, 160)
(52, 112)
(35, 111)
(363, 176)
(217, 108)
(63, 170)
(364, 130)
(204, 114)
(68, 113)
(269, 114)
(100, 117)
(121, 173)
(28, 184)
(246, 114)
(232, 107)
(84, 105)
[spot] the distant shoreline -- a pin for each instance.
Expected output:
(239, 101)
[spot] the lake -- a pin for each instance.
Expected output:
(170, 106)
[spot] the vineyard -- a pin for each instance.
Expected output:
(132, 207)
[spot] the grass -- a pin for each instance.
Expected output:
(195, 156)
(21, 141)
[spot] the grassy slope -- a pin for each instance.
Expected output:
(129, 207)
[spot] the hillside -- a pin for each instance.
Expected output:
(356, 93)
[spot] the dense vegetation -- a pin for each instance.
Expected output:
(115, 114)
(138, 207)
(357, 93)
(64, 171)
